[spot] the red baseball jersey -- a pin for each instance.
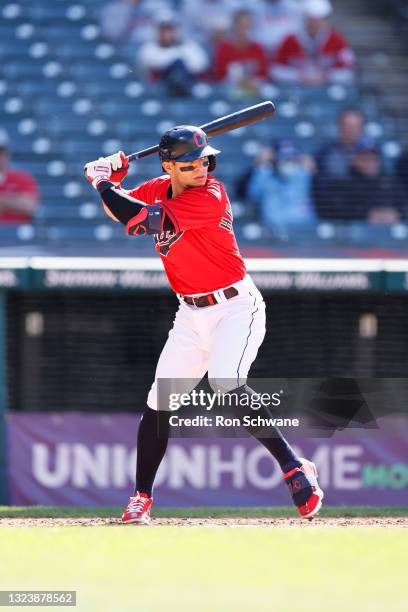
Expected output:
(252, 59)
(197, 245)
(17, 182)
(331, 50)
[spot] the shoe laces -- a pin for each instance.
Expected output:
(137, 503)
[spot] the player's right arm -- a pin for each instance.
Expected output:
(105, 175)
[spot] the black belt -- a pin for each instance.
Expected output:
(209, 299)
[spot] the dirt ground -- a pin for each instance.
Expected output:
(211, 522)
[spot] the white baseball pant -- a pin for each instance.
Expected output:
(222, 339)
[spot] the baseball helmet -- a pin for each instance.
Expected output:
(185, 143)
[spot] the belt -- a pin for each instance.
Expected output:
(209, 299)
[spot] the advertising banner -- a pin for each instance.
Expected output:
(89, 460)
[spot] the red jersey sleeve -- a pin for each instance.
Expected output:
(196, 207)
(341, 50)
(143, 192)
(28, 185)
(289, 50)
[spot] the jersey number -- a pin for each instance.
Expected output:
(226, 221)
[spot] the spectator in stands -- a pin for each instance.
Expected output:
(132, 22)
(210, 25)
(317, 54)
(275, 20)
(367, 194)
(239, 61)
(333, 160)
(19, 196)
(281, 186)
(172, 60)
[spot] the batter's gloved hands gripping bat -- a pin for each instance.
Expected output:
(101, 170)
(119, 167)
(97, 171)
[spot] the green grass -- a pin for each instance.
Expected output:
(340, 511)
(204, 569)
(170, 569)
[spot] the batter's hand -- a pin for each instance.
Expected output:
(120, 166)
(97, 171)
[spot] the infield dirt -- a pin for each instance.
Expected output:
(211, 522)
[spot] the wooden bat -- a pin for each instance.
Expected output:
(246, 116)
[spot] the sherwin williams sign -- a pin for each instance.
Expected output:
(75, 459)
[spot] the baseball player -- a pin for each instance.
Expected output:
(220, 321)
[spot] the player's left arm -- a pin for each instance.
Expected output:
(138, 217)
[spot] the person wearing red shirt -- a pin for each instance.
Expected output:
(220, 322)
(317, 54)
(240, 61)
(18, 190)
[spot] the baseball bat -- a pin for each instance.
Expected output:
(246, 116)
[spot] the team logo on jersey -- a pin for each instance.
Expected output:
(165, 240)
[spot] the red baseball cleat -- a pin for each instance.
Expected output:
(304, 489)
(138, 509)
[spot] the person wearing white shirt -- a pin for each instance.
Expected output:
(172, 59)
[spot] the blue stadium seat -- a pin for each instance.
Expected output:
(77, 98)
(101, 232)
(18, 234)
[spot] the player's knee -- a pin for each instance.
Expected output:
(237, 399)
(225, 384)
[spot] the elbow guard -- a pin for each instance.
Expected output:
(147, 221)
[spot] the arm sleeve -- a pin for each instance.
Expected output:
(138, 217)
(196, 207)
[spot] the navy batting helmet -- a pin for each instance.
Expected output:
(185, 143)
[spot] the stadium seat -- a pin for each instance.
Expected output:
(17, 234)
(68, 96)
